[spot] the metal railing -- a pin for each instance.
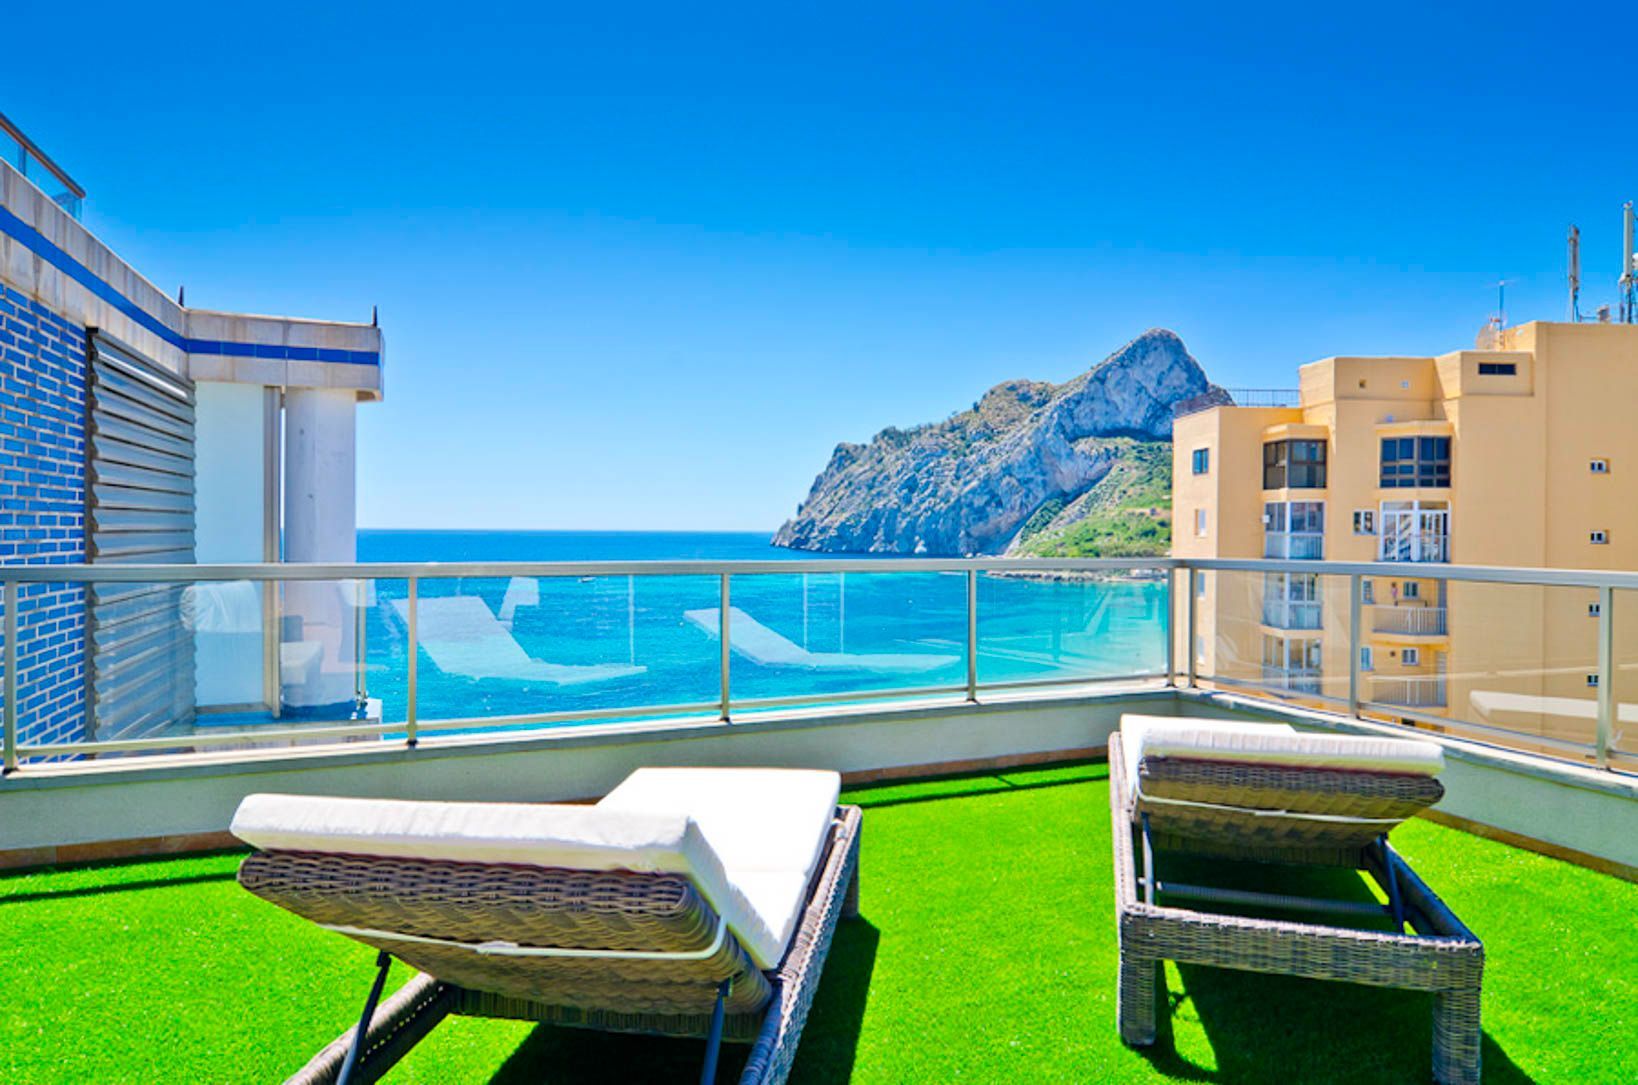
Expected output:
(414, 727)
(1293, 613)
(1366, 692)
(1409, 620)
(1422, 547)
(1237, 397)
(20, 152)
(1295, 679)
(1299, 545)
(1413, 691)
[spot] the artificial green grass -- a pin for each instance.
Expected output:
(986, 952)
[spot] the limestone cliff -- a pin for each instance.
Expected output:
(1023, 454)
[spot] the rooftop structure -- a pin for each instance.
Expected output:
(141, 430)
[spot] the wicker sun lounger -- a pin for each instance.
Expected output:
(1283, 814)
(614, 950)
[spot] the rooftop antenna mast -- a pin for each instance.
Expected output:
(1575, 274)
(1629, 268)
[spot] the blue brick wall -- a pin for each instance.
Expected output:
(42, 508)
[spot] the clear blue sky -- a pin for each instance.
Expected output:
(642, 267)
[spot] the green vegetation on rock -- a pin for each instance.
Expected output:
(1126, 514)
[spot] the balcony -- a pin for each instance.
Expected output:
(1294, 679)
(1416, 691)
(1292, 613)
(1415, 548)
(1409, 621)
(1303, 546)
(995, 664)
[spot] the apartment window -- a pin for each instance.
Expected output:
(1599, 538)
(1200, 522)
(1594, 610)
(1297, 517)
(1299, 465)
(1202, 460)
(1415, 461)
(1411, 657)
(1413, 590)
(1367, 658)
(1498, 369)
(1599, 467)
(1592, 681)
(1367, 592)
(1200, 585)
(1364, 521)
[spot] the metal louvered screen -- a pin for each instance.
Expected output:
(139, 510)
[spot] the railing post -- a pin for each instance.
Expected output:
(11, 676)
(723, 633)
(1606, 674)
(972, 635)
(361, 681)
(414, 652)
(1171, 627)
(1193, 626)
(1355, 604)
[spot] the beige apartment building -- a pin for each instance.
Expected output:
(1526, 455)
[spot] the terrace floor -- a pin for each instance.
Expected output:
(986, 952)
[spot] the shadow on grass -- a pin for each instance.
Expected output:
(826, 1052)
(115, 884)
(1264, 1028)
(1273, 1028)
(972, 784)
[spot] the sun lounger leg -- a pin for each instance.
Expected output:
(383, 962)
(713, 1042)
(1456, 1037)
(1135, 998)
(850, 899)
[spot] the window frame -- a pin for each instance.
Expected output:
(1296, 463)
(1420, 462)
(1410, 657)
(1200, 461)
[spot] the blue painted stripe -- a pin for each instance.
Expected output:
(42, 247)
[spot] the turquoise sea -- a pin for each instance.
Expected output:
(496, 647)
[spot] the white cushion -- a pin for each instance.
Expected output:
(526, 834)
(755, 819)
(768, 826)
(1272, 744)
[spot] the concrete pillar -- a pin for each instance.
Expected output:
(320, 525)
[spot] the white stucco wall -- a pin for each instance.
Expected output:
(228, 481)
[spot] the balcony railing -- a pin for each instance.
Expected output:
(400, 654)
(1409, 621)
(1297, 680)
(1417, 691)
(20, 152)
(1292, 614)
(1414, 548)
(1236, 397)
(1300, 545)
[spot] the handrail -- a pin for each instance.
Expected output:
(15, 747)
(39, 573)
(32, 149)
